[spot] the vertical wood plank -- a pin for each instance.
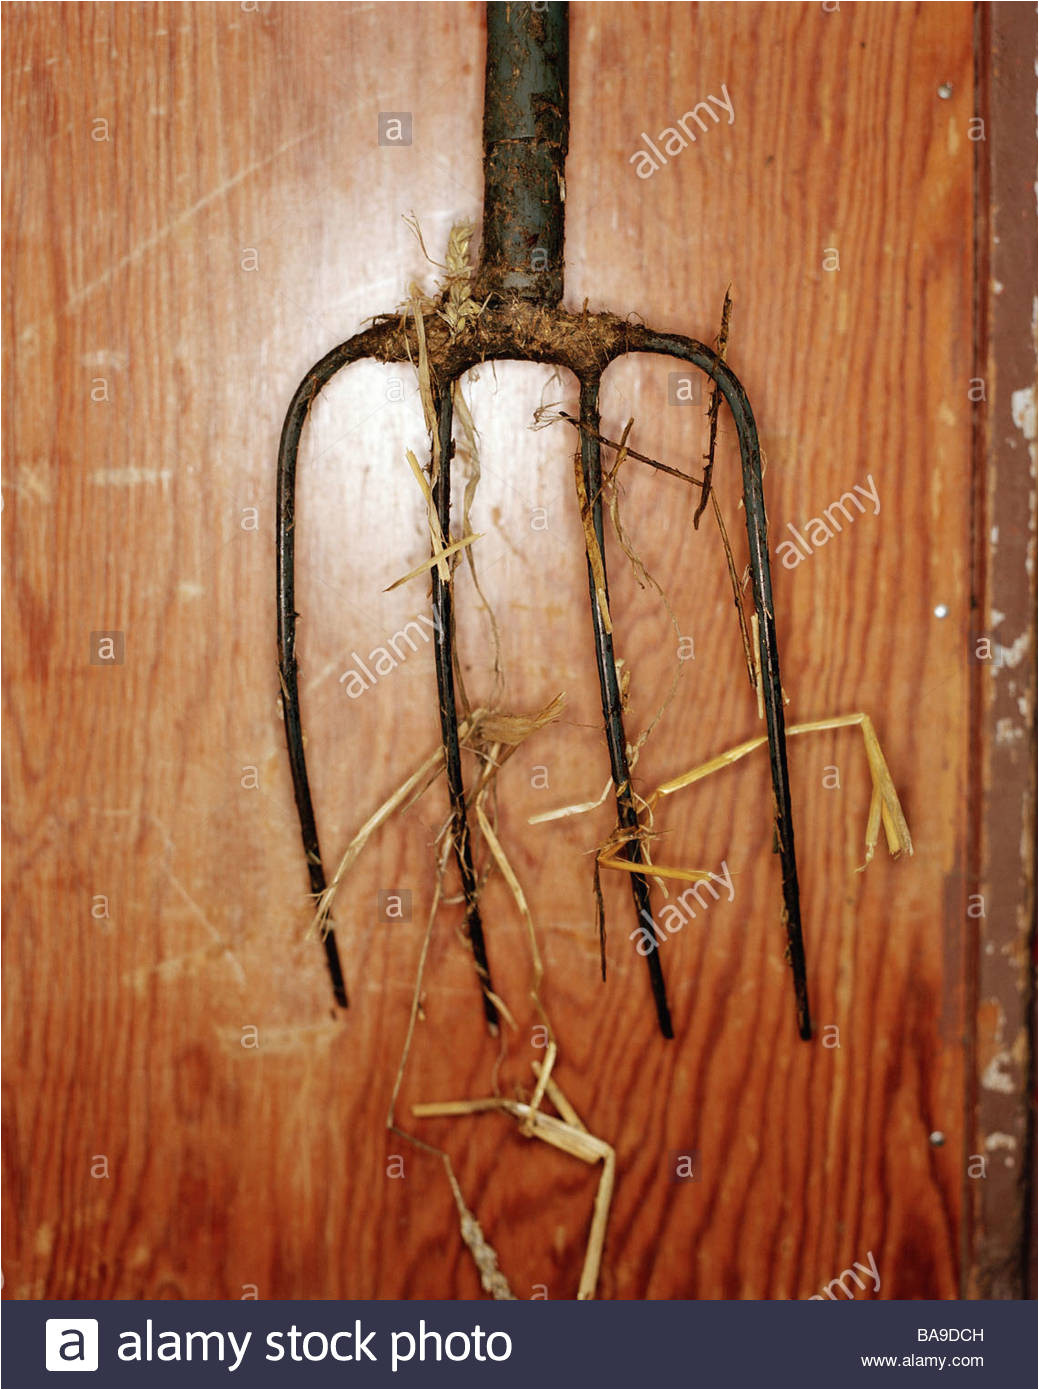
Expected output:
(1002, 1139)
(172, 273)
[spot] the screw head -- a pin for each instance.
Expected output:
(940, 611)
(937, 1138)
(945, 91)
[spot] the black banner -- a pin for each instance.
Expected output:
(250, 1345)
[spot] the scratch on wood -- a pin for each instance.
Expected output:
(143, 247)
(173, 967)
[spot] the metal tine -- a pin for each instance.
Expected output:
(443, 625)
(609, 689)
(285, 545)
(688, 350)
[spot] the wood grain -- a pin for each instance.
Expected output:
(238, 221)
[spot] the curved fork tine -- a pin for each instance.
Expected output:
(591, 467)
(674, 345)
(312, 383)
(443, 628)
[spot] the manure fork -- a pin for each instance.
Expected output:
(519, 283)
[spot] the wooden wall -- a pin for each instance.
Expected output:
(198, 208)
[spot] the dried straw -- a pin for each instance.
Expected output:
(378, 818)
(436, 560)
(567, 1134)
(885, 806)
(591, 545)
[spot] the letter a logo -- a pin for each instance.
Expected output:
(71, 1344)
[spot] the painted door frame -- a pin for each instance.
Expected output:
(999, 1232)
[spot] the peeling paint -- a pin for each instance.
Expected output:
(1023, 414)
(1022, 411)
(1008, 732)
(1012, 655)
(992, 1019)
(999, 1075)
